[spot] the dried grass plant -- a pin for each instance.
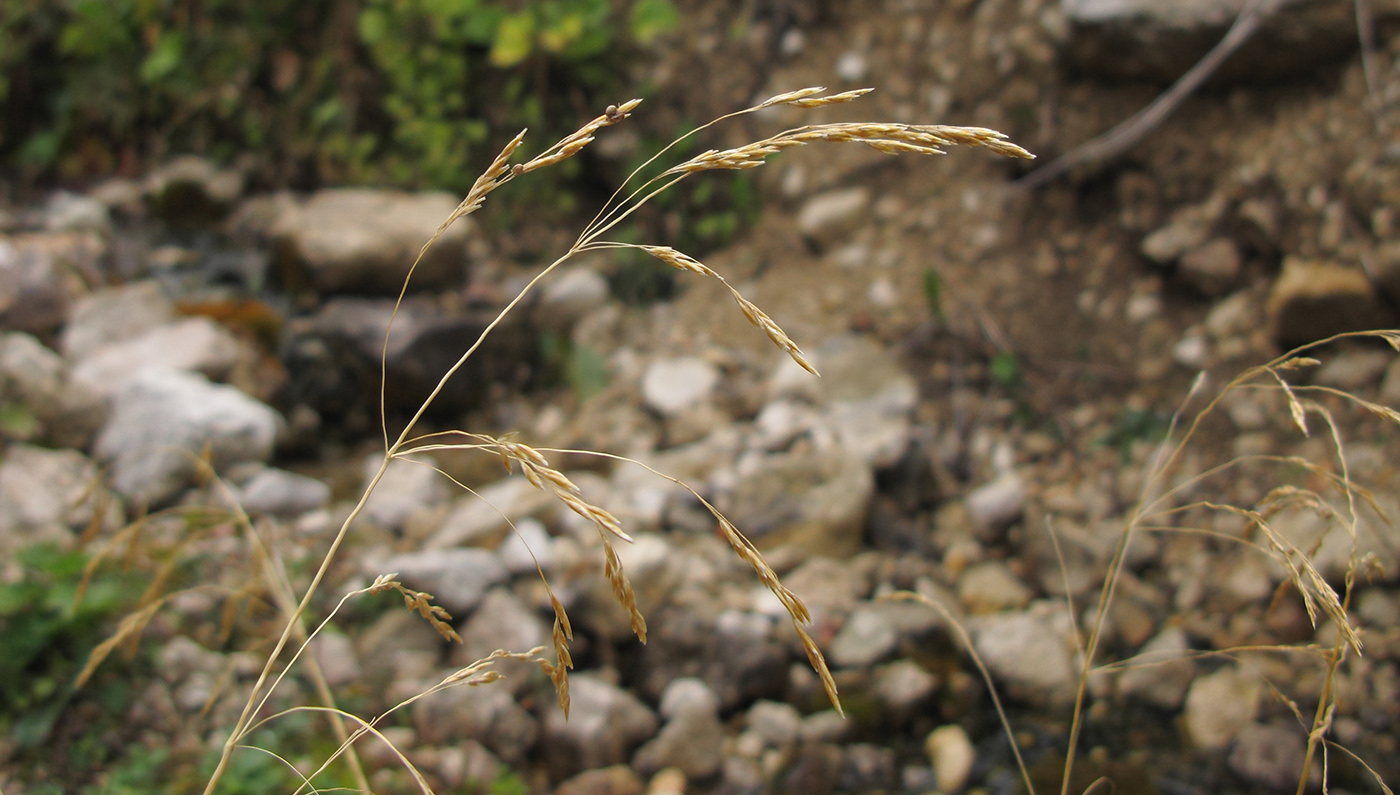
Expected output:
(1169, 504)
(531, 462)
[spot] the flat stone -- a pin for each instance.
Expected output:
(832, 216)
(1029, 653)
(278, 492)
(1220, 705)
(364, 240)
(196, 344)
(670, 386)
(1314, 299)
(113, 315)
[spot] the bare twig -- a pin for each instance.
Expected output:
(1122, 137)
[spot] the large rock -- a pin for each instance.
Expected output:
(828, 217)
(816, 504)
(113, 315)
(485, 713)
(196, 344)
(605, 723)
(364, 240)
(1134, 39)
(1313, 299)
(34, 293)
(1220, 705)
(43, 495)
(1030, 653)
(333, 359)
(670, 386)
(31, 385)
(165, 419)
(457, 578)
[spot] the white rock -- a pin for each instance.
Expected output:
(196, 344)
(569, 297)
(43, 494)
(113, 315)
(851, 66)
(1220, 705)
(482, 519)
(687, 694)
(282, 493)
(952, 754)
(457, 578)
(670, 386)
(1030, 652)
(163, 421)
(364, 240)
(997, 504)
(405, 488)
(529, 546)
(831, 216)
(1166, 673)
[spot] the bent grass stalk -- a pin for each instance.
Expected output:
(884, 137)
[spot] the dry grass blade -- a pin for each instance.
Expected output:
(756, 316)
(129, 627)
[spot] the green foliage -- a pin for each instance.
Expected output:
(45, 636)
(583, 369)
(933, 293)
(399, 91)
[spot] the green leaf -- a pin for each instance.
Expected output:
(373, 26)
(515, 38)
(652, 19)
(1005, 369)
(164, 58)
(933, 293)
(564, 32)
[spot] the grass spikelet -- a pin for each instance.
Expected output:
(622, 589)
(818, 663)
(419, 602)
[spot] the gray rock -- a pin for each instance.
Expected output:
(333, 358)
(815, 504)
(483, 519)
(32, 382)
(72, 212)
(457, 578)
(829, 217)
(1030, 653)
(1353, 370)
(44, 494)
(1166, 673)
(866, 767)
(687, 694)
(995, 505)
(1213, 267)
(670, 386)
(1188, 229)
(851, 66)
(611, 780)
(1270, 755)
(528, 550)
(1221, 705)
(34, 294)
(605, 723)
(903, 686)
(570, 296)
(335, 654)
(486, 714)
(502, 621)
(1128, 39)
(113, 315)
(777, 724)
(869, 395)
(197, 344)
(1315, 299)
(364, 240)
(408, 486)
(278, 492)
(692, 741)
(953, 755)
(164, 419)
(867, 637)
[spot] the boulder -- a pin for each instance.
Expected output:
(1314, 299)
(1149, 39)
(364, 240)
(164, 420)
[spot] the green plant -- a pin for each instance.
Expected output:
(342, 90)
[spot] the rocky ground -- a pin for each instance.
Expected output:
(998, 368)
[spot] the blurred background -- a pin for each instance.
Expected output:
(207, 210)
